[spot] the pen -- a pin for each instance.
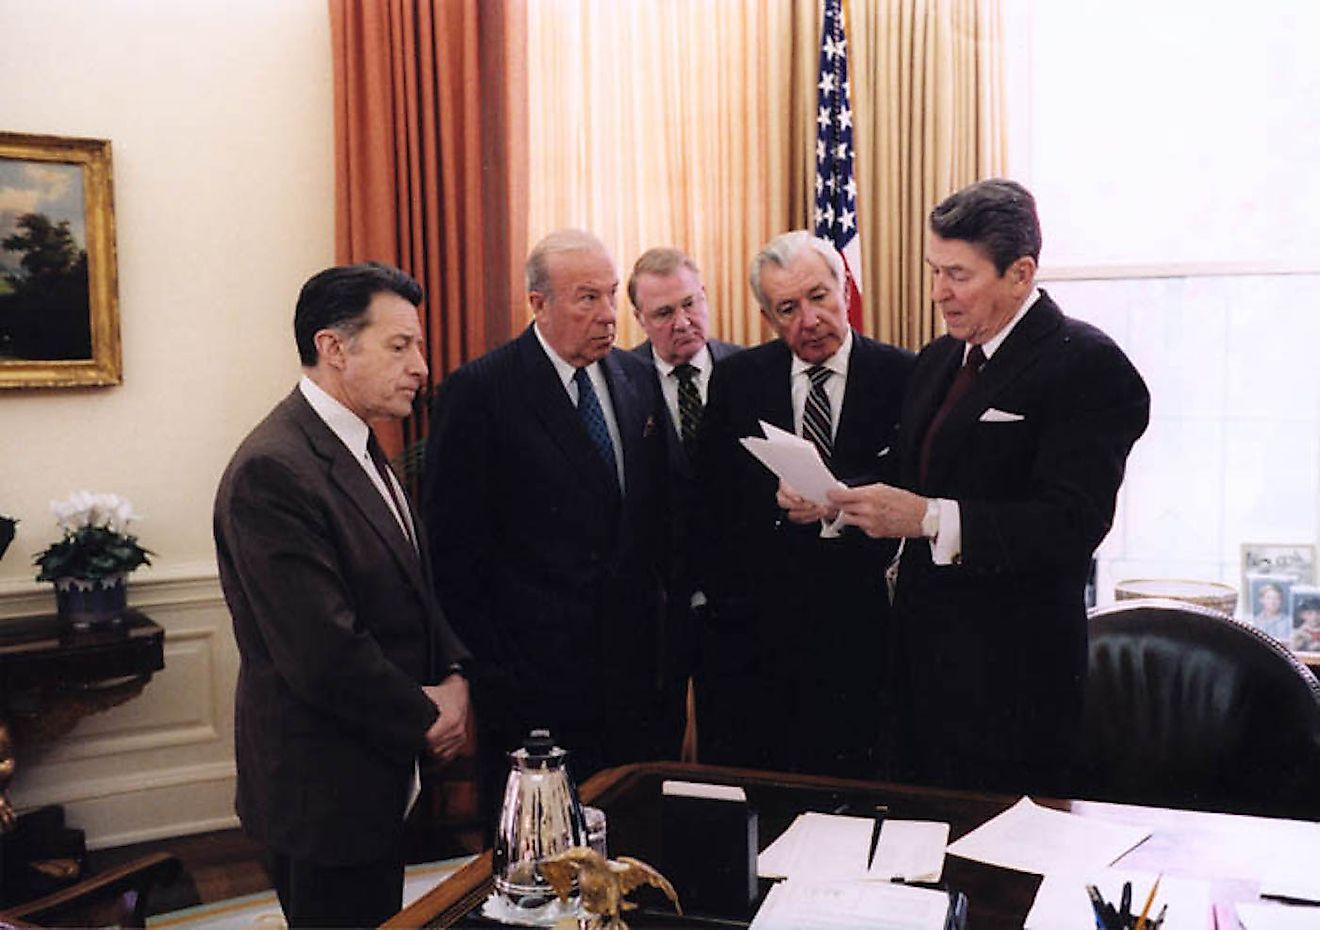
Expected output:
(1125, 905)
(1159, 918)
(1150, 899)
(1098, 905)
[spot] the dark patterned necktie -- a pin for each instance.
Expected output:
(593, 418)
(957, 388)
(377, 455)
(689, 404)
(816, 413)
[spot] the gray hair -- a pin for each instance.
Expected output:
(783, 249)
(561, 240)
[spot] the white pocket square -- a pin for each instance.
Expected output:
(995, 415)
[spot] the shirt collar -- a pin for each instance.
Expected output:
(700, 361)
(991, 345)
(344, 423)
(837, 363)
(562, 368)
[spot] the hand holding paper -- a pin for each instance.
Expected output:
(797, 463)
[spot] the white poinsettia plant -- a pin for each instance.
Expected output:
(96, 543)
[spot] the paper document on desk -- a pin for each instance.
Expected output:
(803, 904)
(1037, 839)
(795, 460)
(1276, 917)
(1063, 904)
(912, 850)
(818, 846)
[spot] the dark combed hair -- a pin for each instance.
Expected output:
(338, 297)
(998, 215)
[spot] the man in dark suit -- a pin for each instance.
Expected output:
(348, 671)
(669, 303)
(544, 493)
(794, 653)
(1014, 439)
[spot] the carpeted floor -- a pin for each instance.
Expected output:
(262, 911)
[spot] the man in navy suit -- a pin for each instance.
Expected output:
(544, 492)
(1014, 439)
(669, 302)
(794, 652)
(347, 669)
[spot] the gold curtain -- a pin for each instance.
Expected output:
(669, 123)
(928, 103)
(430, 155)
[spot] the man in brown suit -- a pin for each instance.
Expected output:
(348, 670)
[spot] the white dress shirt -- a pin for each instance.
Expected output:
(800, 384)
(566, 372)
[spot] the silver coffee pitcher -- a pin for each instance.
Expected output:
(541, 817)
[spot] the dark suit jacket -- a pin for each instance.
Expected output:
(798, 623)
(995, 646)
(683, 503)
(552, 578)
(336, 627)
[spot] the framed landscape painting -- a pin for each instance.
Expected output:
(59, 313)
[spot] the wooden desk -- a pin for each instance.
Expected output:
(1225, 848)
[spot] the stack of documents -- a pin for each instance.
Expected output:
(829, 846)
(795, 460)
(1031, 838)
(804, 904)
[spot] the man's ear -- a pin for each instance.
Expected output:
(536, 300)
(330, 347)
(1024, 272)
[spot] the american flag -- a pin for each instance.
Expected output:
(836, 191)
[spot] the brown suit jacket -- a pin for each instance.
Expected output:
(336, 628)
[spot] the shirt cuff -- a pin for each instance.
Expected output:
(942, 525)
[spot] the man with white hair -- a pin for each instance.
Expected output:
(793, 665)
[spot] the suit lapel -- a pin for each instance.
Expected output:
(1019, 351)
(925, 395)
(357, 488)
(779, 383)
(549, 402)
(629, 412)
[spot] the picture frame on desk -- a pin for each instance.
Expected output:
(1305, 604)
(1269, 605)
(59, 311)
(1291, 560)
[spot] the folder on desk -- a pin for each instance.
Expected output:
(808, 904)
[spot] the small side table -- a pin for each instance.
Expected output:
(51, 676)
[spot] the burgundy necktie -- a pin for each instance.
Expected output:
(961, 382)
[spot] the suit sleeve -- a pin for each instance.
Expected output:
(275, 535)
(1088, 422)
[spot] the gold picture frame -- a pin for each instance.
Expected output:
(59, 304)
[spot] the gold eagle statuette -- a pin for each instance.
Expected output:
(603, 883)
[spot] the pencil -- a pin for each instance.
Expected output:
(1150, 899)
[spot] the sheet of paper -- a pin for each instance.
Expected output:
(1294, 871)
(910, 849)
(1031, 838)
(800, 904)
(1063, 904)
(1274, 916)
(795, 460)
(818, 846)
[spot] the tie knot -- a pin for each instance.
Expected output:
(580, 377)
(685, 372)
(975, 358)
(373, 448)
(818, 374)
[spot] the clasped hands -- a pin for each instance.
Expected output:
(879, 510)
(448, 734)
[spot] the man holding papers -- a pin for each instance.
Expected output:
(794, 653)
(1014, 438)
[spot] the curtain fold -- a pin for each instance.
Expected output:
(430, 163)
(928, 103)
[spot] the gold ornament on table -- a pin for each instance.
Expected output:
(603, 884)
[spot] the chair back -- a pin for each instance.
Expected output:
(1187, 707)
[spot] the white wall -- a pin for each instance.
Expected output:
(220, 117)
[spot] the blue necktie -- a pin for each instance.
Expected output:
(593, 418)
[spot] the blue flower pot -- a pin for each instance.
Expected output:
(88, 603)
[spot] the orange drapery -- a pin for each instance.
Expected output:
(430, 157)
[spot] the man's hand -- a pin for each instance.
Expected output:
(450, 730)
(881, 511)
(799, 509)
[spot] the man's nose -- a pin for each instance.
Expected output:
(809, 316)
(418, 365)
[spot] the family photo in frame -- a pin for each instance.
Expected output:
(1278, 584)
(59, 316)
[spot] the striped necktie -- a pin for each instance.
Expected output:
(816, 414)
(689, 404)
